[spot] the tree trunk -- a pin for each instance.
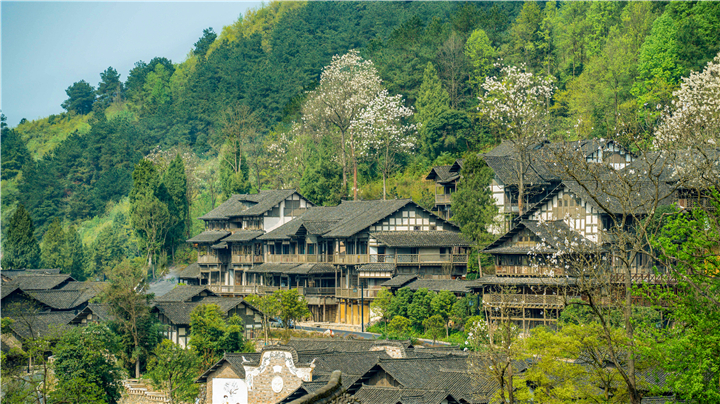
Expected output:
(137, 368)
(343, 160)
(511, 393)
(384, 187)
(355, 188)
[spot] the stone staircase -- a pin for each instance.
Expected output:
(140, 392)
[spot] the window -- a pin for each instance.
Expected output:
(274, 212)
(311, 249)
(291, 206)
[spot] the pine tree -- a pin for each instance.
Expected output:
(176, 184)
(21, 248)
(14, 153)
(481, 54)
(76, 261)
(432, 102)
(53, 247)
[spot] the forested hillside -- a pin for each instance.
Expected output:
(238, 111)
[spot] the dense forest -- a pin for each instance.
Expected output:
(238, 112)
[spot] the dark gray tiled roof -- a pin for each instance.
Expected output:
(101, 310)
(317, 217)
(377, 267)
(552, 233)
(513, 280)
(420, 238)
(340, 345)
(236, 362)
(190, 271)
(184, 293)
(358, 215)
(248, 204)
(209, 236)
(399, 281)
(41, 282)
(395, 395)
(220, 246)
(295, 269)
(344, 220)
(457, 166)
(12, 273)
(42, 324)
(179, 312)
(455, 286)
(60, 299)
(8, 288)
(442, 174)
(243, 235)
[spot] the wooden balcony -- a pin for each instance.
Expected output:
(246, 259)
(444, 199)
(315, 291)
(357, 293)
(294, 258)
(252, 289)
(351, 259)
(209, 259)
(644, 278)
(522, 270)
(522, 300)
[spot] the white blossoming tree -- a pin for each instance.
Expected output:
(381, 133)
(693, 119)
(516, 104)
(347, 86)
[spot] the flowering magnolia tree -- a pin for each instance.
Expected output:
(381, 133)
(516, 104)
(347, 86)
(693, 119)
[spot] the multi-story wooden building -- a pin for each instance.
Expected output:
(337, 257)
(446, 179)
(561, 215)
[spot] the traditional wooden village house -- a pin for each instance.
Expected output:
(344, 371)
(337, 257)
(529, 286)
(446, 179)
(174, 308)
(44, 302)
(227, 247)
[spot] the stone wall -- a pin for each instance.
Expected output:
(276, 377)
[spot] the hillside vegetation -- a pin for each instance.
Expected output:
(237, 109)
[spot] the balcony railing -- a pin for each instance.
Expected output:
(246, 258)
(252, 289)
(370, 258)
(356, 293)
(521, 300)
(643, 278)
(443, 199)
(295, 258)
(316, 291)
(209, 259)
(523, 270)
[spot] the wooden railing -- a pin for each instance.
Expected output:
(521, 270)
(356, 293)
(252, 289)
(643, 278)
(209, 259)
(521, 300)
(369, 258)
(316, 291)
(443, 199)
(294, 258)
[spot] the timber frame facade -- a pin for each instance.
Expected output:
(337, 257)
(527, 287)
